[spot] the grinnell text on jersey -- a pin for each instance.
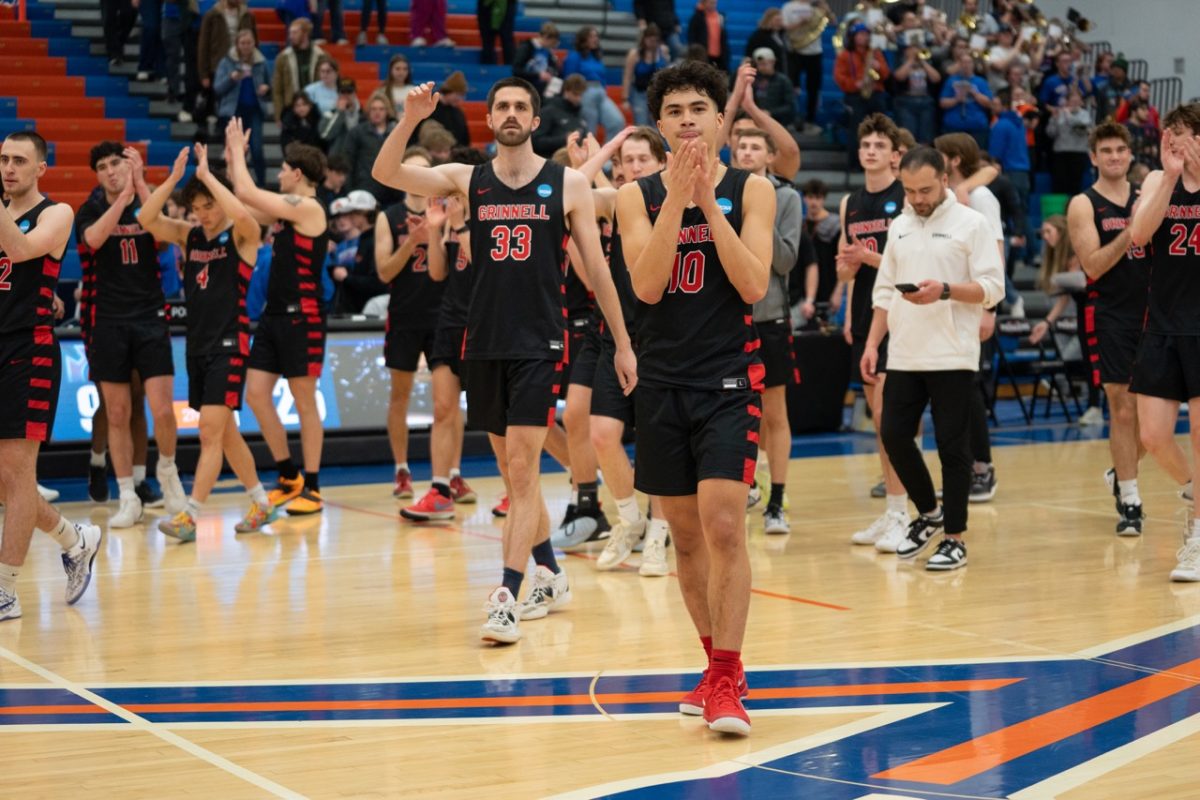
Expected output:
(510, 211)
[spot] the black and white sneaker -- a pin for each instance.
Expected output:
(920, 534)
(1130, 523)
(98, 484)
(983, 485)
(950, 554)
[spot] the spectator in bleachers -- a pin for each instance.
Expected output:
(150, 51)
(346, 115)
(324, 90)
(1003, 55)
(438, 142)
(1008, 144)
(241, 86)
(535, 60)
(354, 276)
(1056, 87)
(295, 67)
(641, 62)
(824, 227)
(364, 22)
(769, 33)
(217, 31)
(399, 81)
(985, 24)
(967, 103)
(301, 123)
(119, 18)
(497, 18)
(587, 60)
(337, 169)
(1068, 129)
(360, 145)
(707, 28)
(448, 113)
(862, 83)
(912, 84)
(1112, 91)
(180, 38)
(660, 13)
(1145, 134)
(804, 21)
(429, 17)
(1017, 77)
(337, 24)
(561, 116)
(1141, 91)
(947, 59)
(291, 10)
(773, 92)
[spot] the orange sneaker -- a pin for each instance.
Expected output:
(460, 492)
(501, 508)
(285, 491)
(307, 502)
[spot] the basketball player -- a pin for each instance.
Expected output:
(34, 232)
(128, 328)
(743, 113)
(290, 339)
(219, 256)
(773, 323)
(866, 214)
(698, 409)
(1165, 371)
(523, 209)
(1098, 223)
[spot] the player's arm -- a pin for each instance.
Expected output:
(438, 181)
(982, 177)
(51, 234)
(745, 255)
(305, 213)
(246, 229)
(606, 202)
(591, 160)
(1151, 207)
(150, 215)
(787, 152)
(96, 234)
(390, 262)
(742, 78)
(1096, 260)
(647, 247)
(435, 251)
(575, 262)
(851, 254)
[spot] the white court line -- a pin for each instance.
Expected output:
(1139, 637)
(141, 724)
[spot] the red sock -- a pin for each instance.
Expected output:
(706, 642)
(725, 664)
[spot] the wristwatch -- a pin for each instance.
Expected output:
(945, 291)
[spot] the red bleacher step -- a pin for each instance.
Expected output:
(40, 108)
(34, 65)
(50, 86)
(81, 130)
(23, 46)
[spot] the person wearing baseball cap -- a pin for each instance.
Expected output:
(352, 268)
(773, 92)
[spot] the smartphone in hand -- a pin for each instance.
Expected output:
(908, 288)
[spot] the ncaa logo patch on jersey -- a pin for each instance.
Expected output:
(725, 204)
(889, 207)
(24, 226)
(223, 238)
(545, 190)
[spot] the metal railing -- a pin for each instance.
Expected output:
(1166, 93)
(1139, 69)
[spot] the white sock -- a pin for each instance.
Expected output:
(64, 533)
(125, 485)
(402, 465)
(8, 577)
(97, 459)
(1129, 492)
(139, 473)
(455, 473)
(574, 497)
(658, 529)
(1195, 529)
(166, 461)
(258, 494)
(193, 507)
(898, 503)
(627, 509)
(981, 467)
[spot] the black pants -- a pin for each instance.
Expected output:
(947, 393)
(812, 68)
(981, 441)
(119, 19)
(381, 9)
(488, 34)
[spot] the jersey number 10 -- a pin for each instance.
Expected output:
(687, 275)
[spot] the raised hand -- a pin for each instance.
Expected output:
(1191, 152)
(576, 149)
(746, 74)
(201, 151)
(420, 102)
(1172, 162)
(137, 168)
(418, 229)
(235, 137)
(704, 190)
(435, 213)
(680, 178)
(455, 211)
(180, 165)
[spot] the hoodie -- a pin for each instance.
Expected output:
(1007, 143)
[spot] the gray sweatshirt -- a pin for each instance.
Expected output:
(789, 216)
(1069, 130)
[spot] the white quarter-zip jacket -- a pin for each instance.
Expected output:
(955, 244)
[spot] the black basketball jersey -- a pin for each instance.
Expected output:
(215, 281)
(519, 258)
(868, 217)
(456, 299)
(623, 284)
(1173, 305)
(294, 285)
(122, 276)
(27, 287)
(579, 301)
(415, 298)
(700, 334)
(1118, 298)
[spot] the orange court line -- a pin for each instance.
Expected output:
(15, 711)
(966, 760)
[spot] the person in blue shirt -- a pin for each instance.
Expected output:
(967, 102)
(1056, 87)
(598, 107)
(1008, 144)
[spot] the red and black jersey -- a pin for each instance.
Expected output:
(1117, 300)
(700, 334)
(294, 285)
(456, 298)
(121, 279)
(519, 258)
(1173, 306)
(27, 287)
(578, 300)
(623, 284)
(868, 217)
(415, 298)
(215, 281)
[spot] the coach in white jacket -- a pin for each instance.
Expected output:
(940, 269)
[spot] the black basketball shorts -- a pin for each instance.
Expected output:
(608, 398)
(578, 331)
(30, 372)
(689, 435)
(503, 393)
(1167, 367)
(775, 350)
(216, 379)
(291, 345)
(856, 354)
(583, 360)
(402, 349)
(118, 347)
(1117, 353)
(447, 349)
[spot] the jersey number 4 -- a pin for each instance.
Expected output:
(129, 251)
(5, 272)
(511, 242)
(687, 275)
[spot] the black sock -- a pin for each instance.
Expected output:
(442, 489)
(312, 481)
(287, 469)
(587, 496)
(512, 581)
(543, 556)
(776, 495)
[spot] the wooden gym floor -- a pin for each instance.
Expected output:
(338, 657)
